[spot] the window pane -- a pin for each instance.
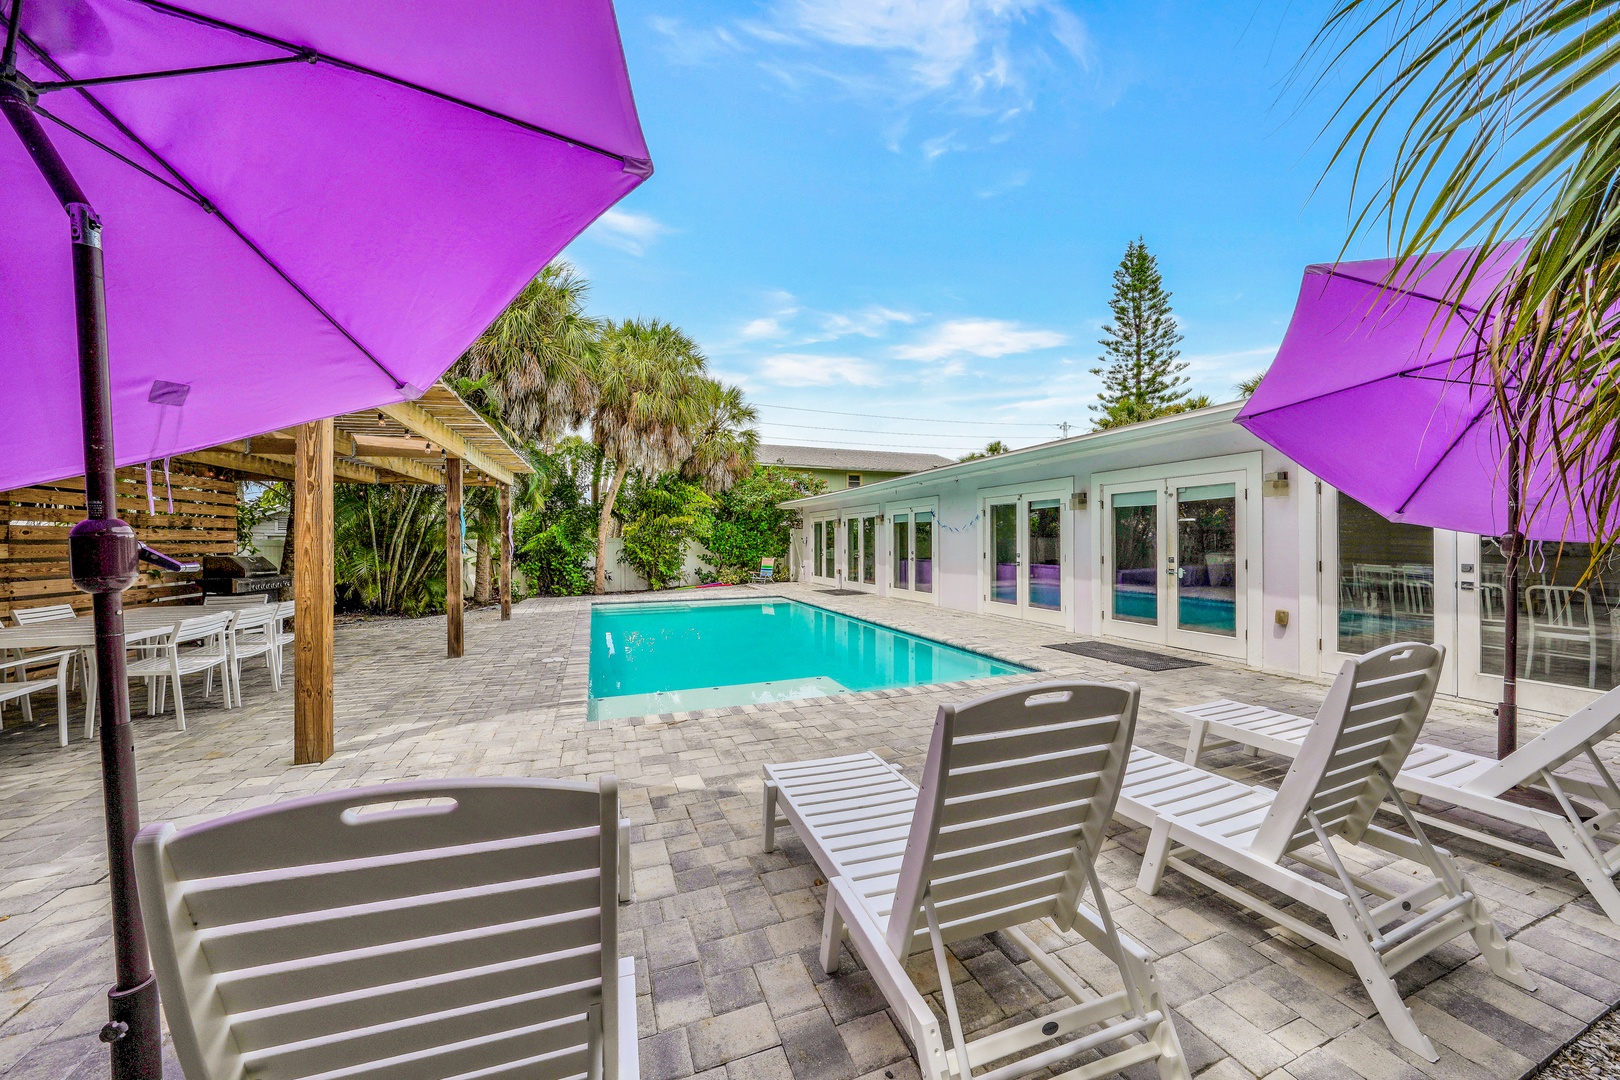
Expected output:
(818, 550)
(1136, 556)
(869, 550)
(901, 556)
(852, 557)
(1206, 548)
(1004, 553)
(923, 556)
(1045, 555)
(1567, 627)
(1386, 580)
(832, 549)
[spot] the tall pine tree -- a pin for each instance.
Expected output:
(1142, 377)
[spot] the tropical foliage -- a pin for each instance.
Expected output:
(994, 447)
(661, 519)
(389, 547)
(750, 524)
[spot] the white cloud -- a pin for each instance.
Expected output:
(764, 327)
(869, 322)
(627, 230)
(805, 369)
(978, 337)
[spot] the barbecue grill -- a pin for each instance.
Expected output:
(241, 575)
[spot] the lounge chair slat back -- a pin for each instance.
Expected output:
(1367, 725)
(1567, 739)
(1018, 789)
(413, 930)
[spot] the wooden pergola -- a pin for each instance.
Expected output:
(437, 439)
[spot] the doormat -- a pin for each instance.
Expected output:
(1120, 654)
(841, 592)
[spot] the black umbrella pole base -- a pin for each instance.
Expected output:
(134, 1010)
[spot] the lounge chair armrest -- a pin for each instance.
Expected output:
(887, 971)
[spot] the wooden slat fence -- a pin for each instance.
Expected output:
(34, 524)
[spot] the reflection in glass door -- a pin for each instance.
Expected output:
(1205, 580)
(900, 552)
(1134, 596)
(869, 550)
(1003, 519)
(816, 550)
(923, 552)
(1045, 554)
(852, 549)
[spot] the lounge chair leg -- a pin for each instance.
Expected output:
(1578, 858)
(1494, 948)
(832, 934)
(627, 886)
(1375, 979)
(179, 705)
(1195, 741)
(770, 815)
(1154, 858)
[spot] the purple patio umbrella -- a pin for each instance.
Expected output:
(309, 209)
(1375, 391)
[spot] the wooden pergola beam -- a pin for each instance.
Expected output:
(419, 421)
(278, 468)
(314, 594)
(409, 468)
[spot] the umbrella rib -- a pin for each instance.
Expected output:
(360, 69)
(207, 206)
(1457, 305)
(1466, 428)
(1404, 373)
(131, 162)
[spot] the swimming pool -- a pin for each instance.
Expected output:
(674, 657)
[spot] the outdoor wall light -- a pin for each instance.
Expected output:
(1276, 483)
(1077, 501)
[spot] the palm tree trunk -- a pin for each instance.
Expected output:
(603, 521)
(482, 575)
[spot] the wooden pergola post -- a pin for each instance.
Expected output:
(313, 593)
(506, 552)
(456, 644)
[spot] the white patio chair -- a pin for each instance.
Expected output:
(1017, 792)
(33, 616)
(1589, 848)
(26, 685)
(1345, 768)
(438, 928)
(253, 633)
(1561, 625)
(284, 637)
(162, 661)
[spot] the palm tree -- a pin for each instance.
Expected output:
(724, 440)
(533, 368)
(647, 409)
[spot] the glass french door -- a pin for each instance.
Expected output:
(860, 540)
(1023, 558)
(911, 552)
(1175, 563)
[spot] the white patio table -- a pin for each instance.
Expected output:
(79, 633)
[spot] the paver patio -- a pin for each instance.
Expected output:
(724, 934)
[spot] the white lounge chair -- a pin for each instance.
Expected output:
(1016, 795)
(1590, 848)
(1343, 771)
(448, 928)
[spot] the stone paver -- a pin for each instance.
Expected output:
(726, 935)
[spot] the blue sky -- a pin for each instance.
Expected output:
(912, 208)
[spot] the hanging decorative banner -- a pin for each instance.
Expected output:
(972, 521)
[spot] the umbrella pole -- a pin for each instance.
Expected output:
(102, 556)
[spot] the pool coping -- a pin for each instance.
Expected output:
(572, 709)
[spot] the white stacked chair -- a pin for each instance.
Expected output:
(428, 929)
(26, 685)
(1017, 793)
(254, 634)
(162, 661)
(1288, 840)
(1561, 626)
(1587, 847)
(284, 637)
(33, 616)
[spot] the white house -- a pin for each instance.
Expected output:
(1189, 532)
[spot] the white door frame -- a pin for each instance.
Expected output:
(852, 574)
(1243, 470)
(911, 510)
(1021, 495)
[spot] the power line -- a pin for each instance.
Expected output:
(988, 432)
(826, 445)
(880, 416)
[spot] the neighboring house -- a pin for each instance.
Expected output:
(840, 468)
(1189, 532)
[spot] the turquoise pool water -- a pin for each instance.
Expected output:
(653, 658)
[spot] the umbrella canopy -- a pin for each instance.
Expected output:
(1373, 391)
(320, 225)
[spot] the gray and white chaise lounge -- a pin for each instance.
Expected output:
(413, 931)
(1289, 840)
(1590, 848)
(1017, 791)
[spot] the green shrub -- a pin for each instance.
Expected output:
(750, 524)
(659, 520)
